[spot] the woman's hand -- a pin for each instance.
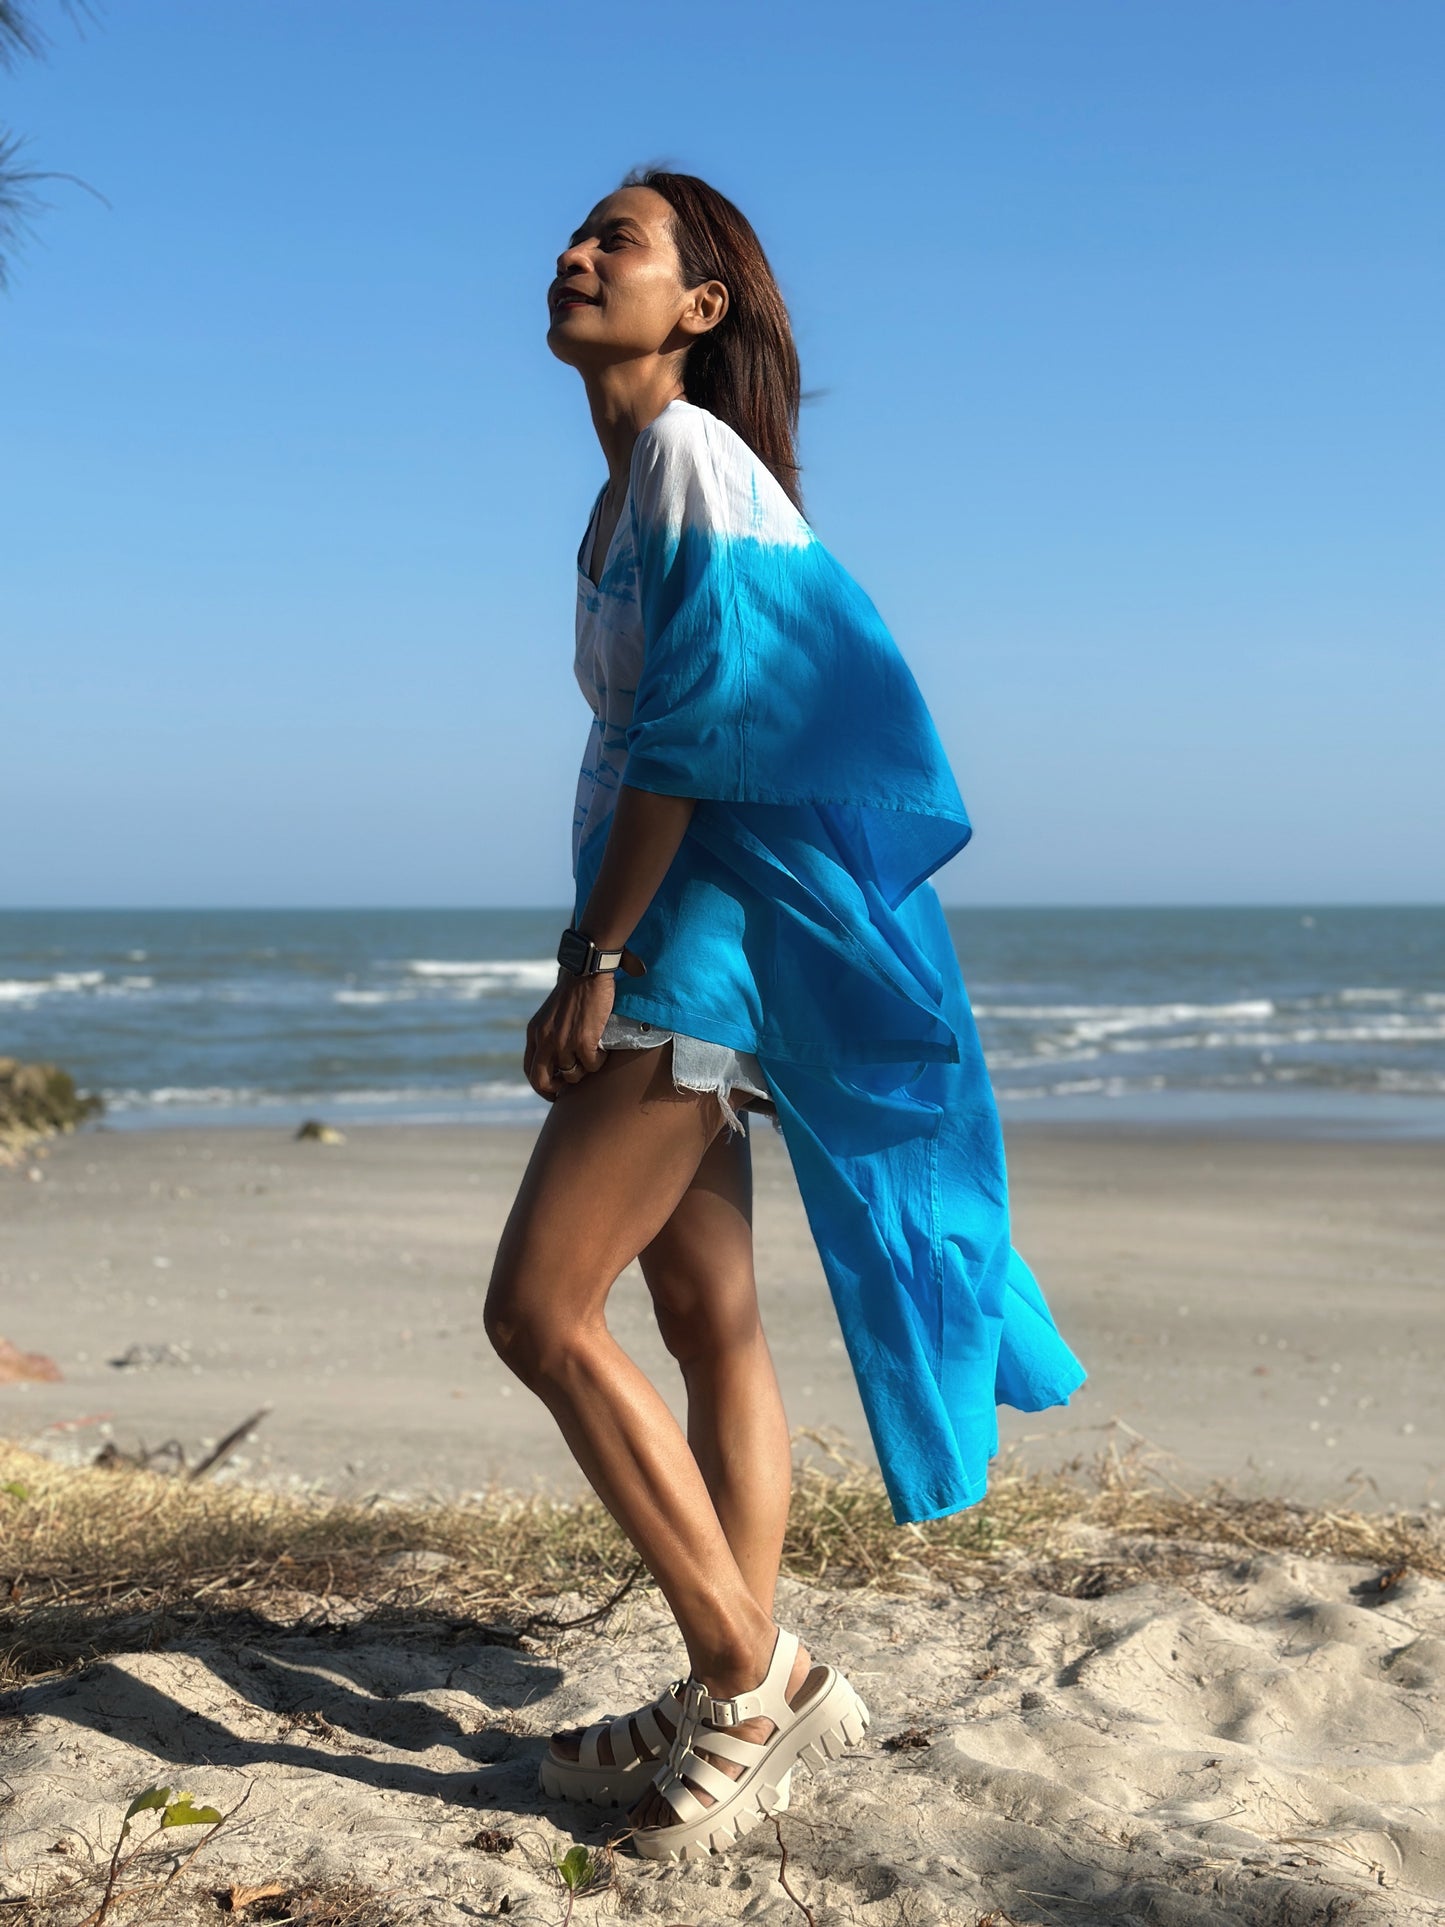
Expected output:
(562, 1038)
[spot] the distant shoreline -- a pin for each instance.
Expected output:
(1312, 1117)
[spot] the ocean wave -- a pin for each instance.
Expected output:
(221, 1095)
(506, 973)
(1415, 1083)
(1398, 1031)
(231, 1096)
(15, 990)
(29, 990)
(488, 1090)
(1127, 1016)
(1045, 1051)
(1081, 1031)
(1086, 1087)
(457, 987)
(1354, 1080)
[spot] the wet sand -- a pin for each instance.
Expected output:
(1262, 1309)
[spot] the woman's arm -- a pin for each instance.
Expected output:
(646, 830)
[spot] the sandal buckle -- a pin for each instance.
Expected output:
(733, 1712)
(690, 1714)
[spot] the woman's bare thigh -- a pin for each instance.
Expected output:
(699, 1267)
(616, 1153)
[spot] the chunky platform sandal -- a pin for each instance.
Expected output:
(828, 1719)
(623, 1783)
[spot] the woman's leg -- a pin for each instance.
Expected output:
(699, 1270)
(614, 1156)
(612, 1161)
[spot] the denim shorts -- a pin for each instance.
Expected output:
(698, 1065)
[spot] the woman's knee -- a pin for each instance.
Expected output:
(704, 1318)
(533, 1336)
(505, 1322)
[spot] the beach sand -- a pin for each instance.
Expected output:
(1262, 1310)
(1256, 1738)
(1255, 1742)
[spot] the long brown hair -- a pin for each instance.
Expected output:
(745, 370)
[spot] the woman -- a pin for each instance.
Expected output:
(762, 800)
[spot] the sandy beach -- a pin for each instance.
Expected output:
(1262, 1310)
(1111, 1729)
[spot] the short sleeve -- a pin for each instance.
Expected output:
(692, 712)
(768, 676)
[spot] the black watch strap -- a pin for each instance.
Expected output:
(582, 957)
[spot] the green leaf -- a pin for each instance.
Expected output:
(574, 1866)
(16, 1489)
(156, 1796)
(181, 1813)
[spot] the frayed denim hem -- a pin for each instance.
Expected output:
(698, 1065)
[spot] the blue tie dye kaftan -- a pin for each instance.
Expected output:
(796, 921)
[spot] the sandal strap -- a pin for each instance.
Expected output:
(727, 1746)
(652, 1733)
(768, 1700)
(680, 1797)
(703, 1774)
(624, 1751)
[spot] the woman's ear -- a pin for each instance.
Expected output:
(709, 305)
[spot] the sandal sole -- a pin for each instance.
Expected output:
(588, 1784)
(836, 1719)
(622, 1789)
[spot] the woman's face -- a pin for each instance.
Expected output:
(618, 292)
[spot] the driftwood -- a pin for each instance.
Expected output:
(223, 1451)
(154, 1458)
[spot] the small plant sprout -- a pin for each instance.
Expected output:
(173, 1809)
(582, 1873)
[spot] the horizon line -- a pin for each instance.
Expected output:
(530, 909)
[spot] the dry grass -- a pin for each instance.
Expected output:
(197, 1902)
(96, 1561)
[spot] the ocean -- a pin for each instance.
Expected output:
(1297, 1019)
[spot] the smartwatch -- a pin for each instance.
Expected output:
(583, 958)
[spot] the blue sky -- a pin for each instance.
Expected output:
(1126, 322)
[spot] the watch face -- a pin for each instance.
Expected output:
(573, 952)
